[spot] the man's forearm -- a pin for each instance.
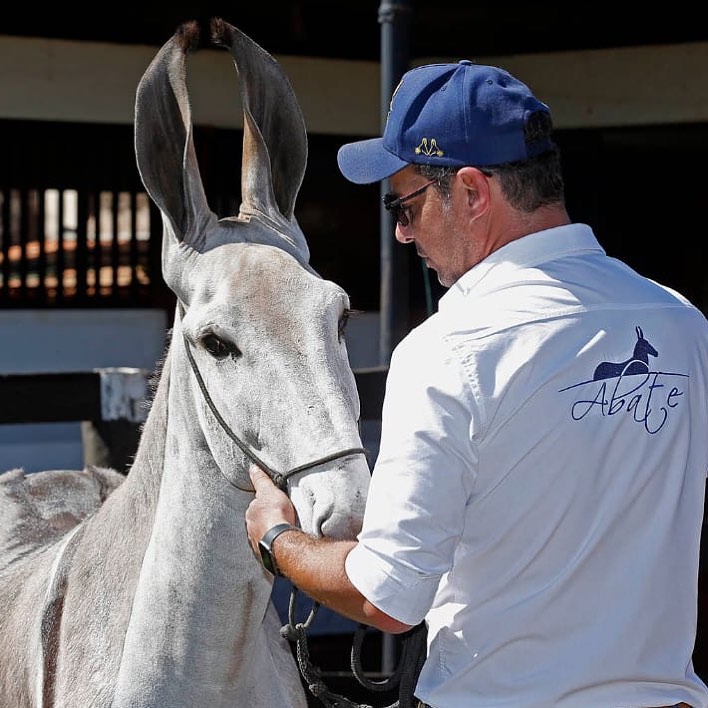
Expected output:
(316, 566)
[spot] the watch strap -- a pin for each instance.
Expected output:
(266, 546)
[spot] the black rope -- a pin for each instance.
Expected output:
(405, 676)
(296, 632)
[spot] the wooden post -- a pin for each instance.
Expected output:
(112, 440)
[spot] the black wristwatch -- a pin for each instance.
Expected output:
(265, 546)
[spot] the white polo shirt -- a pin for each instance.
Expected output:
(538, 493)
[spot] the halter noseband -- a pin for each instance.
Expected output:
(280, 479)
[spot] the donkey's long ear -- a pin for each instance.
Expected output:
(164, 146)
(274, 135)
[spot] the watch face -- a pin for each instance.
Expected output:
(267, 559)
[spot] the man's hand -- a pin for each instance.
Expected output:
(314, 565)
(270, 506)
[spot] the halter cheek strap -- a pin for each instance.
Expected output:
(280, 479)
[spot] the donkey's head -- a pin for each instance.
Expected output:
(642, 349)
(258, 346)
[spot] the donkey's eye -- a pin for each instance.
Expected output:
(219, 348)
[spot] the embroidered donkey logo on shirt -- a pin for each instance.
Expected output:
(638, 363)
(630, 387)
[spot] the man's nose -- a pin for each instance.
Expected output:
(402, 236)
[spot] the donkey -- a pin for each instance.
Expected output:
(638, 363)
(155, 597)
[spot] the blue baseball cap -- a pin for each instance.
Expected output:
(448, 114)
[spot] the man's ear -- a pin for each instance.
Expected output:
(477, 187)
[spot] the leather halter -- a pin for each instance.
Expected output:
(280, 479)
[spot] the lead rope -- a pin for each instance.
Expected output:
(414, 649)
(413, 653)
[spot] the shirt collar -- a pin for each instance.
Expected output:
(528, 251)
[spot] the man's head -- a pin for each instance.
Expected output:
(449, 115)
(472, 164)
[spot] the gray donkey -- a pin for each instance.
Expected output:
(151, 596)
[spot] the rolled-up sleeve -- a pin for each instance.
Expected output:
(399, 591)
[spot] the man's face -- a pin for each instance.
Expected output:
(433, 223)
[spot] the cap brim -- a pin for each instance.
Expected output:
(367, 161)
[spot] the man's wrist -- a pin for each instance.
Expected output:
(265, 546)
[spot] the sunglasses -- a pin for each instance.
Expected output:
(395, 204)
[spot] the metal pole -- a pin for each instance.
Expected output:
(394, 17)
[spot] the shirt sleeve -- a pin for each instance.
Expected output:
(422, 480)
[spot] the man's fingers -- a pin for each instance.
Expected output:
(258, 476)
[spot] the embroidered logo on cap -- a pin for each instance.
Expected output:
(429, 150)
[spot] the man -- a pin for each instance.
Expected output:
(538, 494)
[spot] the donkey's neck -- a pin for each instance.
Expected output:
(201, 598)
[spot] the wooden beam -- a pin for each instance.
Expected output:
(50, 398)
(77, 396)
